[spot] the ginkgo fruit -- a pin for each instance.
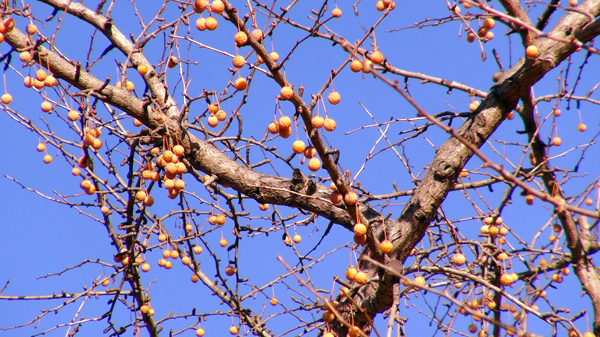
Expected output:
(229, 270)
(356, 66)
(350, 198)
(489, 23)
(25, 56)
(285, 122)
(531, 52)
(297, 238)
(273, 301)
(221, 115)
(199, 331)
(239, 61)
(142, 69)
(386, 246)
(581, 127)
(257, 34)
(6, 98)
(329, 124)
(41, 147)
(172, 62)
(298, 147)
(335, 197)
(41, 75)
(336, 12)
(263, 207)
(197, 250)
(360, 239)
(361, 278)
(201, 24)
(223, 242)
(274, 56)
(285, 132)
(470, 37)
(211, 23)
(213, 121)
(360, 229)
(145, 267)
(473, 106)
(310, 152)
(314, 164)
(376, 57)
(273, 127)
(572, 3)
(317, 122)
(334, 97)
(73, 115)
(286, 92)
(240, 84)
(556, 141)
(47, 159)
(458, 259)
(351, 273)
(240, 38)
(327, 316)
(420, 280)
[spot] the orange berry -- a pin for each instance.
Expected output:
(379, 5)
(351, 273)
(178, 150)
(420, 280)
(229, 270)
(145, 267)
(223, 242)
(31, 29)
(473, 106)
(334, 97)
(285, 122)
(273, 128)
(217, 6)
(572, 3)
(41, 75)
(221, 115)
(489, 23)
(285, 132)
(201, 24)
(297, 238)
(298, 147)
(356, 66)
(46, 106)
(257, 34)
(274, 56)
(336, 12)
(350, 198)
(529, 199)
(199, 331)
(240, 84)
(386, 246)
(317, 122)
(588, 201)
(335, 197)
(233, 330)
(367, 66)
(286, 93)
(28, 81)
(141, 195)
(489, 35)
(200, 5)
(360, 229)
(240, 38)
(50, 81)
(213, 121)
(25, 56)
(47, 159)
(314, 164)
(481, 32)
(360, 239)
(263, 207)
(556, 141)
(38, 84)
(73, 115)
(211, 23)
(310, 152)
(531, 52)
(6, 98)
(41, 147)
(581, 127)
(329, 124)
(458, 259)
(273, 301)
(142, 69)
(376, 57)
(239, 61)
(470, 37)
(328, 316)
(361, 278)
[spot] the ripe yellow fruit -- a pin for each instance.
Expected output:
(557, 278)
(298, 147)
(376, 57)
(329, 124)
(286, 93)
(351, 273)
(588, 334)
(274, 56)
(588, 201)
(285, 122)
(335, 197)
(529, 198)
(556, 141)
(239, 61)
(328, 316)
(470, 37)
(25, 56)
(211, 23)
(493, 230)
(350, 198)
(229, 270)
(334, 97)
(314, 164)
(41, 147)
(531, 52)
(581, 127)
(240, 84)
(361, 278)
(360, 239)
(201, 24)
(506, 279)
(257, 34)
(473, 106)
(104, 210)
(240, 38)
(379, 5)
(145, 267)
(199, 331)
(386, 246)
(223, 242)
(273, 127)
(360, 229)
(458, 259)
(41, 75)
(213, 121)
(28, 81)
(39, 84)
(263, 207)
(221, 115)
(97, 144)
(285, 132)
(489, 23)
(47, 159)
(297, 238)
(73, 115)
(217, 6)
(233, 330)
(141, 196)
(420, 280)
(129, 86)
(489, 35)
(174, 254)
(336, 12)
(481, 32)
(46, 106)
(356, 66)
(310, 152)
(572, 3)
(75, 171)
(6, 98)
(317, 122)
(142, 69)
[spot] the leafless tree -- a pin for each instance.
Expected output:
(234, 158)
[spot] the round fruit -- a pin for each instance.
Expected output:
(589, 201)
(239, 61)
(531, 52)
(285, 122)
(314, 164)
(489, 23)
(297, 238)
(581, 127)
(328, 316)
(172, 61)
(197, 250)
(274, 56)
(298, 147)
(556, 141)
(142, 69)
(360, 239)
(6, 98)
(129, 86)
(229, 270)
(481, 32)
(221, 115)
(473, 106)
(588, 334)
(285, 132)
(149, 201)
(213, 121)
(257, 34)
(273, 128)
(470, 37)
(263, 207)
(47, 159)
(25, 56)
(361, 278)
(273, 301)
(360, 229)
(350, 198)
(76, 171)
(379, 5)
(145, 267)
(174, 254)
(28, 81)
(317, 122)
(41, 147)
(329, 124)
(458, 259)
(211, 23)
(41, 75)
(240, 84)
(420, 280)
(199, 331)
(38, 84)
(240, 38)
(356, 66)
(489, 35)
(310, 152)
(472, 328)
(351, 273)
(335, 197)
(572, 3)
(233, 330)
(336, 12)
(286, 93)
(141, 196)
(73, 115)
(104, 210)
(506, 279)
(46, 106)
(386, 246)
(223, 242)
(376, 57)
(334, 97)
(201, 24)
